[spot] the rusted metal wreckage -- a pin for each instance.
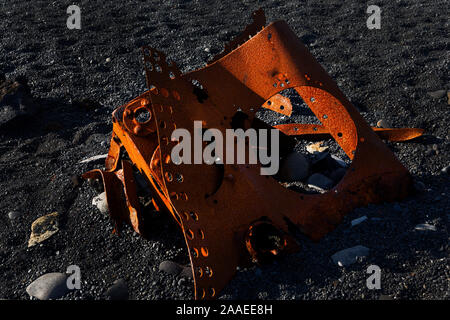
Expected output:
(230, 215)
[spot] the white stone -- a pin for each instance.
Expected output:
(358, 220)
(101, 203)
(348, 256)
(425, 227)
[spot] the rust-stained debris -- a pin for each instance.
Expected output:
(224, 212)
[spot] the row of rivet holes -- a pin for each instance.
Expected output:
(190, 234)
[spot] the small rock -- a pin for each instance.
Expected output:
(358, 220)
(170, 267)
(320, 181)
(43, 228)
(437, 94)
(101, 203)
(446, 170)
(118, 290)
(207, 49)
(316, 147)
(94, 158)
(108, 60)
(48, 286)
(425, 227)
(339, 161)
(383, 124)
(13, 215)
(295, 167)
(348, 256)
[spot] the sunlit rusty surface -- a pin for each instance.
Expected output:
(320, 132)
(222, 211)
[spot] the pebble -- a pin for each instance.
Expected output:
(339, 161)
(294, 167)
(383, 124)
(438, 94)
(43, 228)
(94, 158)
(425, 227)
(108, 60)
(118, 290)
(446, 170)
(321, 181)
(48, 286)
(170, 267)
(358, 220)
(101, 203)
(13, 215)
(348, 256)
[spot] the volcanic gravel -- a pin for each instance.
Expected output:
(386, 73)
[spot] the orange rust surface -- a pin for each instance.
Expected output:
(320, 132)
(216, 207)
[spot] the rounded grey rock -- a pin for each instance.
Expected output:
(118, 290)
(383, 124)
(349, 256)
(49, 286)
(170, 267)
